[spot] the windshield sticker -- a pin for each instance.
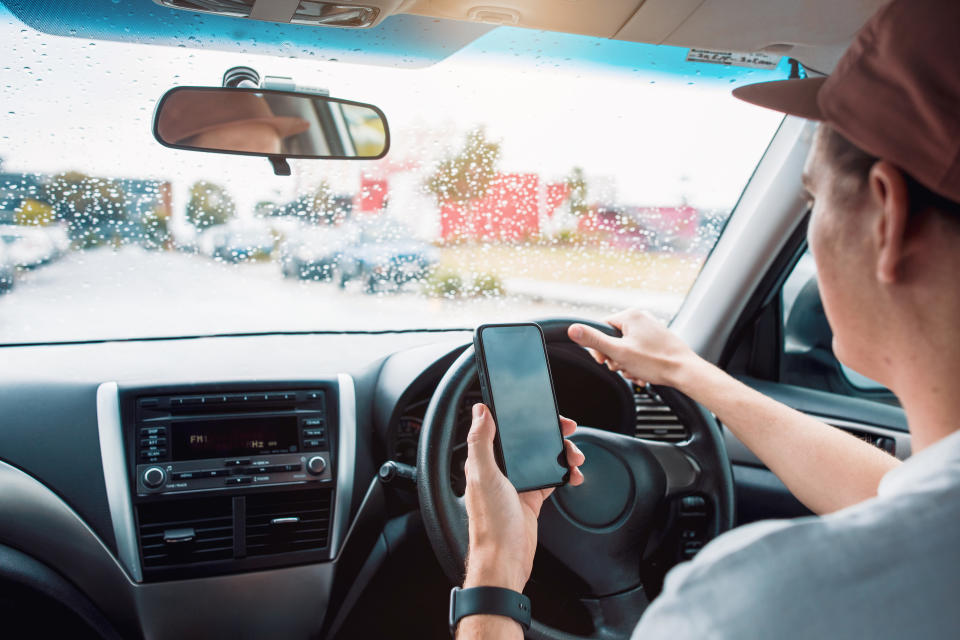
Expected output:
(734, 58)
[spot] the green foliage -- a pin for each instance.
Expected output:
(467, 175)
(487, 285)
(443, 283)
(447, 283)
(209, 204)
(156, 229)
(577, 183)
(264, 208)
(35, 213)
(323, 205)
(93, 208)
(567, 237)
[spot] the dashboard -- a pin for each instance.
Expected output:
(224, 477)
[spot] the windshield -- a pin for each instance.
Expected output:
(529, 175)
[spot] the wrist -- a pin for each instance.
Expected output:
(485, 571)
(685, 372)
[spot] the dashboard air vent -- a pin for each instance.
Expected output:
(185, 532)
(655, 420)
(288, 521)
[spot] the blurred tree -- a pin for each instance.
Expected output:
(93, 208)
(577, 199)
(468, 174)
(156, 229)
(35, 213)
(323, 206)
(209, 204)
(265, 208)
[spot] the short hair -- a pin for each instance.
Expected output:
(853, 164)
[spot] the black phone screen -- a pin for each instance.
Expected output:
(524, 405)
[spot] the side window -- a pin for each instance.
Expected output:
(807, 359)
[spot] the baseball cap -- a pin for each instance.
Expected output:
(191, 111)
(895, 93)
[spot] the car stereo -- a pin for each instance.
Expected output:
(216, 441)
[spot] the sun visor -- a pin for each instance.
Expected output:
(392, 40)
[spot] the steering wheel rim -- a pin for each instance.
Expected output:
(698, 465)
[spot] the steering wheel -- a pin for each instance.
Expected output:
(600, 530)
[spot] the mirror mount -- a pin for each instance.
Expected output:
(280, 165)
(241, 77)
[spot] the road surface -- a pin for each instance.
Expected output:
(107, 294)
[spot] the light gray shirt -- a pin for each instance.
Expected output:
(888, 567)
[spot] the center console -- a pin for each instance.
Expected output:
(230, 478)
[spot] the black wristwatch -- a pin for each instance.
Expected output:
(493, 601)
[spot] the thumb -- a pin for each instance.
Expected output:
(597, 340)
(481, 461)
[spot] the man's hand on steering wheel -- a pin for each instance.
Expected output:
(502, 522)
(648, 352)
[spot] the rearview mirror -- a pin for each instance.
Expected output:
(263, 122)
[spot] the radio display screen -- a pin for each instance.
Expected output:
(194, 440)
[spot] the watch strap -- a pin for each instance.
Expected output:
(494, 601)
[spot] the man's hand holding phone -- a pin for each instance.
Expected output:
(502, 522)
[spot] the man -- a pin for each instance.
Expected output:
(225, 121)
(882, 559)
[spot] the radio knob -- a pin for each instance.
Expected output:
(154, 477)
(316, 465)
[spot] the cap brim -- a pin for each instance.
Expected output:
(794, 97)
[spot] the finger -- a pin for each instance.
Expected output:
(575, 457)
(535, 499)
(592, 339)
(481, 461)
(567, 426)
(616, 320)
(596, 355)
(576, 477)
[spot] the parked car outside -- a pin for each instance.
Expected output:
(8, 270)
(238, 241)
(385, 254)
(314, 252)
(28, 247)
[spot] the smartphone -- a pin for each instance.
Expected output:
(518, 389)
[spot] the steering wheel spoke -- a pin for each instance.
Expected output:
(680, 469)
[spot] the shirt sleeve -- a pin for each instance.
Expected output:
(699, 596)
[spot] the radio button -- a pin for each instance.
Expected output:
(238, 480)
(154, 477)
(189, 475)
(291, 467)
(217, 473)
(153, 453)
(314, 433)
(311, 444)
(153, 431)
(316, 465)
(235, 462)
(153, 441)
(312, 422)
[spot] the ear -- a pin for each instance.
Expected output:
(888, 194)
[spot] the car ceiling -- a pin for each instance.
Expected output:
(414, 33)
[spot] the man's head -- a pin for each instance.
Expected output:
(884, 173)
(887, 250)
(225, 120)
